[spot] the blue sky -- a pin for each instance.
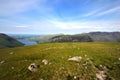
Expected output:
(59, 16)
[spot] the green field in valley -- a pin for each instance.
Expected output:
(98, 60)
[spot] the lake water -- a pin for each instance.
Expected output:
(27, 42)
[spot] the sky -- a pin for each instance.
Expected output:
(59, 16)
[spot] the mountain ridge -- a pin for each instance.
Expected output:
(88, 37)
(8, 42)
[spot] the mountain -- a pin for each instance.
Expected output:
(84, 37)
(105, 36)
(72, 38)
(8, 42)
(88, 37)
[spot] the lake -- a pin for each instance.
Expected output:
(27, 42)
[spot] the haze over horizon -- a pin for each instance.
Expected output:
(59, 16)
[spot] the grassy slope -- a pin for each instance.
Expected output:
(57, 54)
(7, 41)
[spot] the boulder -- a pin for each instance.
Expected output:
(119, 59)
(76, 58)
(101, 75)
(33, 67)
(1, 62)
(45, 61)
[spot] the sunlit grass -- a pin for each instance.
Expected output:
(60, 68)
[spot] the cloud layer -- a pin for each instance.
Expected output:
(59, 16)
(12, 7)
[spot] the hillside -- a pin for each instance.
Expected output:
(83, 37)
(105, 36)
(8, 42)
(96, 61)
(71, 38)
(88, 37)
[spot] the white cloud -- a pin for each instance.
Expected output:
(101, 12)
(11, 7)
(115, 9)
(21, 26)
(91, 13)
(95, 25)
(56, 26)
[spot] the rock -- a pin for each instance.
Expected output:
(101, 65)
(2, 62)
(85, 64)
(101, 75)
(45, 61)
(105, 68)
(41, 79)
(12, 67)
(88, 59)
(25, 60)
(75, 77)
(119, 59)
(11, 52)
(33, 67)
(85, 55)
(50, 63)
(62, 68)
(86, 67)
(76, 58)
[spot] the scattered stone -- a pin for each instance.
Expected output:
(119, 59)
(88, 59)
(62, 68)
(45, 61)
(12, 67)
(101, 75)
(105, 68)
(76, 58)
(85, 67)
(25, 60)
(85, 63)
(85, 55)
(2, 62)
(100, 65)
(69, 56)
(41, 79)
(11, 52)
(75, 77)
(33, 67)
(50, 63)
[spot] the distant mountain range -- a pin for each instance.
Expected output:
(12, 41)
(105, 36)
(8, 42)
(88, 37)
(84, 37)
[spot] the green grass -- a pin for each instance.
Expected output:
(57, 54)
